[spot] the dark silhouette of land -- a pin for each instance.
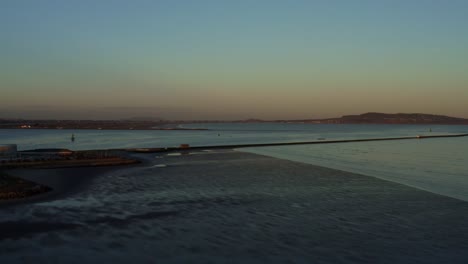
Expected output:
(381, 118)
(159, 124)
(92, 124)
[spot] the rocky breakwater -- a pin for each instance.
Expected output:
(16, 188)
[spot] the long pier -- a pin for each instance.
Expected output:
(182, 147)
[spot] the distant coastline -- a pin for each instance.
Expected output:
(400, 118)
(367, 118)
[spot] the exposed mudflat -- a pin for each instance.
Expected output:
(234, 207)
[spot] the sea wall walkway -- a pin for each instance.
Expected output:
(187, 147)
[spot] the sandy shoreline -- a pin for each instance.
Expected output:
(233, 206)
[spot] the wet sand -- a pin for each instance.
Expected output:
(233, 207)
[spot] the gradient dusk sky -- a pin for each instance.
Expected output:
(232, 59)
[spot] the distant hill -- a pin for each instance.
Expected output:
(139, 123)
(144, 118)
(400, 118)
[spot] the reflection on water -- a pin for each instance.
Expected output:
(437, 165)
(232, 207)
(229, 134)
(197, 209)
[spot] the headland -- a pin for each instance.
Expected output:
(366, 118)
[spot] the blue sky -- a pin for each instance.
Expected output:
(232, 59)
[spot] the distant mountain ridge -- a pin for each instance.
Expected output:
(160, 124)
(399, 118)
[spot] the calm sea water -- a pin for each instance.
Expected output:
(152, 214)
(218, 134)
(437, 165)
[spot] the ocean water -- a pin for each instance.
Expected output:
(165, 214)
(232, 208)
(218, 134)
(438, 165)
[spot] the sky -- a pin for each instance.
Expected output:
(212, 59)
